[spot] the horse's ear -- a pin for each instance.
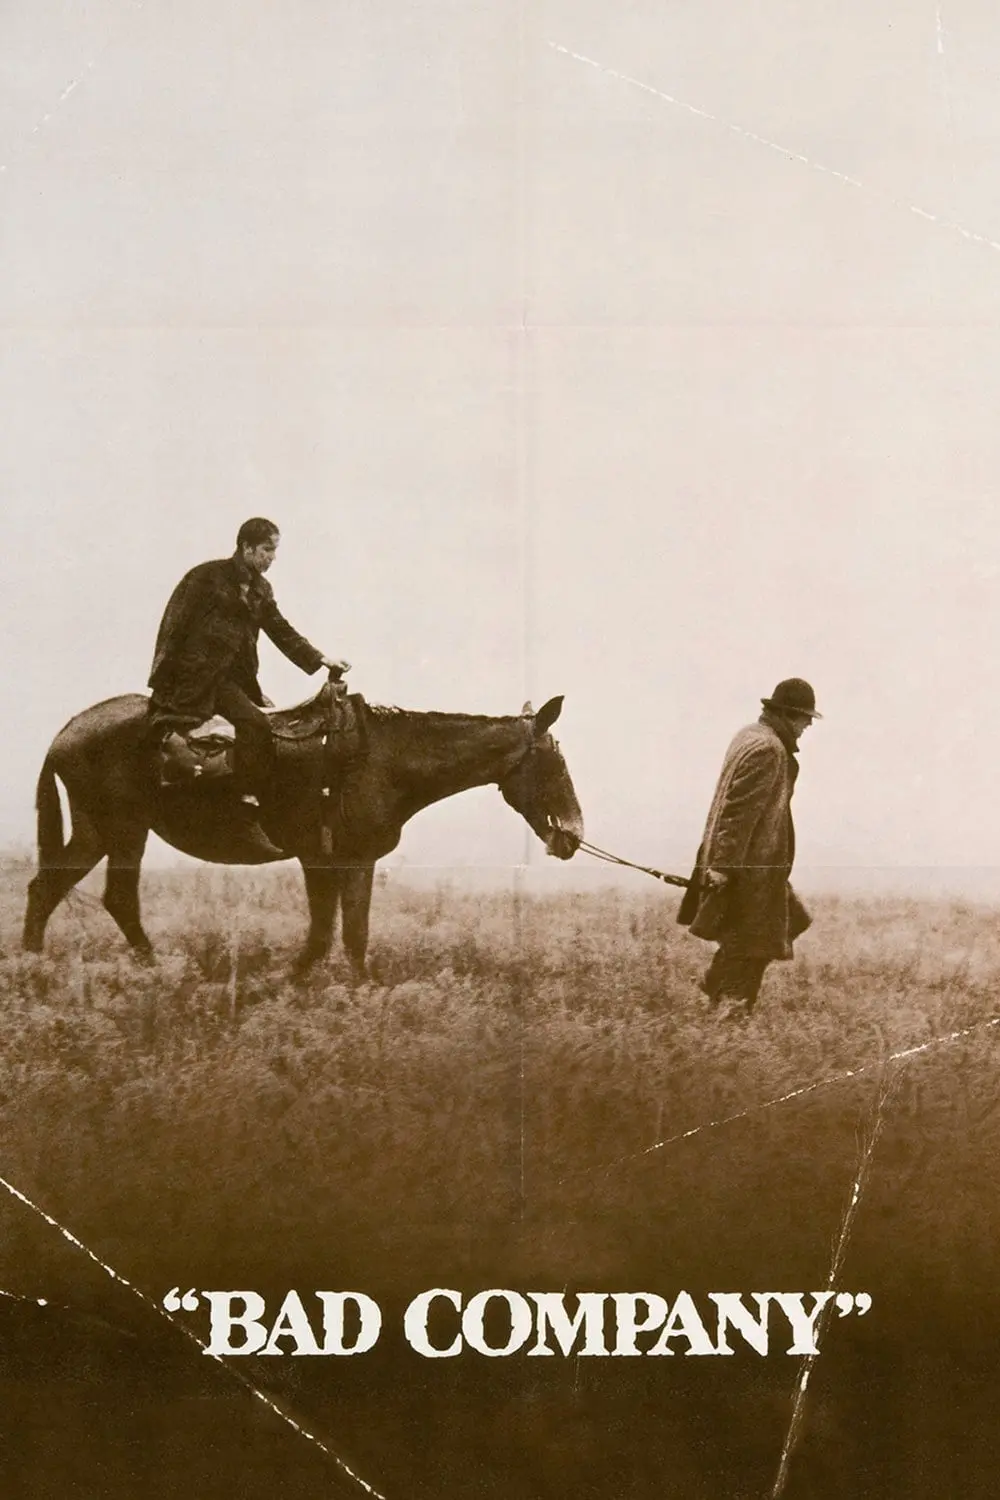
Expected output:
(527, 709)
(547, 715)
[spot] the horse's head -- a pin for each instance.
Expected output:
(539, 785)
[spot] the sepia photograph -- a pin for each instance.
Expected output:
(499, 880)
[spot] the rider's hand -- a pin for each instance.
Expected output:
(716, 879)
(335, 666)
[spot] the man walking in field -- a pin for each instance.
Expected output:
(205, 660)
(739, 895)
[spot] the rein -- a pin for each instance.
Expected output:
(614, 859)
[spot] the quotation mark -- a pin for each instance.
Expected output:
(174, 1302)
(858, 1302)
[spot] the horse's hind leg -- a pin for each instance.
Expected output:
(121, 889)
(54, 881)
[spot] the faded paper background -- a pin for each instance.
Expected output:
(644, 353)
(552, 384)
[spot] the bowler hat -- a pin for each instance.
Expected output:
(793, 696)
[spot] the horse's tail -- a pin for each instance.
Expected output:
(51, 839)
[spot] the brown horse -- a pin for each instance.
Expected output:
(104, 760)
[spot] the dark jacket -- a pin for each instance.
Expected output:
(749, 835)
(208, 635)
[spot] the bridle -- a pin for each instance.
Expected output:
(553, 825)
(520, 766)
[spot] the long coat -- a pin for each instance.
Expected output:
(750, 836)
(209, 633)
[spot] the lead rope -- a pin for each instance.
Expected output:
(614, 859)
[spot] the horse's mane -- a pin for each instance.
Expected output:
(392, 712)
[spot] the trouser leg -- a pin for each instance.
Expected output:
(752, 978)
(253, 756)
(734, 976)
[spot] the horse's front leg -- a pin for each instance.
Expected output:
(356, 902)
(323, 894)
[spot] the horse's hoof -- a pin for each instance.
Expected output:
(144, 956)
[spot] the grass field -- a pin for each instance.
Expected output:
(483, 1116)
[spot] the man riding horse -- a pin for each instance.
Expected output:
(205, 662)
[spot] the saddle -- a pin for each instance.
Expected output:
(333, 720)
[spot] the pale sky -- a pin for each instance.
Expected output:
(553, 385)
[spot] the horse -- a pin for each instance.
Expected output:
(410, 759)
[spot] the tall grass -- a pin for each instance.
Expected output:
(501, 1108)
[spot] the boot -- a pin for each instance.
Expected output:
(216, 767)
(180, 765)
(178, 762)
(252, 834)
